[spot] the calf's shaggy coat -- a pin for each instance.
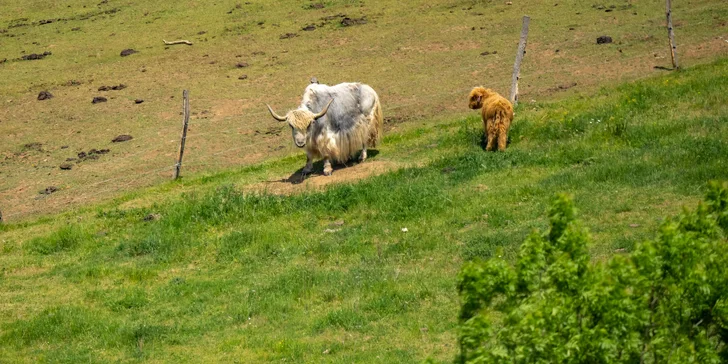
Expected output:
(497, 116)
(334, 122)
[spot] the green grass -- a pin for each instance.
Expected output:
(421, 56)
(228, 275)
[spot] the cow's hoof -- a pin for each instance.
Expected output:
(328, 171)
(363, 157)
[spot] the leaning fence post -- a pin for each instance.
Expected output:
(671, 35)
(186, 121)
(519, 58)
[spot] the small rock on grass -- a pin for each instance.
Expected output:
(138, 101)
(98, 99)
(66, 166)
(243, 77)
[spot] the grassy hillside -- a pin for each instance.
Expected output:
(421, 56)
(222, 273)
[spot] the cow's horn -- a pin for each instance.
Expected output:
(275, 116)
(323, 112)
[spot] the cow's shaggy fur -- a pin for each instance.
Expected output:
(352, 122)
(497, 113)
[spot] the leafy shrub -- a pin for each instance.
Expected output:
(665, 302)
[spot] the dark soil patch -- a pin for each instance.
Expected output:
(243, 77)
(288, 36)
(48, 190)
(94, 14)
(98, 99)
(115, 88)
(45, 95)
(487, 53)
(90, 155)
(17, 23)
(66, 166)
(35, 146)
(35, 56)
(122, 138)
(604, 39)
(242, 65)
(308, 28)
(128, 52)
(347, 22)
(138, 101)
(3, 60)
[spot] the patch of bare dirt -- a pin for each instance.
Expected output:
(45, 95)
(317, 181)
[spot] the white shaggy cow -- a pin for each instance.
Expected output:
(334, 122)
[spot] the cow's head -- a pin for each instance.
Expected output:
(300, 121)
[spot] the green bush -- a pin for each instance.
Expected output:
(665, 302)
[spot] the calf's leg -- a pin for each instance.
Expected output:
(363, 155)
(490, 132)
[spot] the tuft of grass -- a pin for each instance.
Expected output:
(63, 240)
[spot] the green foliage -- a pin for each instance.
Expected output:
(64, 239)
(665, 302)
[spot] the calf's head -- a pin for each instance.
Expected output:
(300, 121)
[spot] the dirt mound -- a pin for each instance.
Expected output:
(128, 52)
(98, 99)
(604, 39)
(342, 174)
(45, 95)
(122, 138)
(347, 22)
(35, 56)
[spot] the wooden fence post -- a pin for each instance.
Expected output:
(186, 121)
(519, 58)
(671, 35)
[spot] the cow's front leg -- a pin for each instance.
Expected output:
(363, 155)
(308, 168)
(327, 167)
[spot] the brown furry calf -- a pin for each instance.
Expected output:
(497, 115)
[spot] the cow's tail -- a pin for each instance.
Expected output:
(376, 125)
